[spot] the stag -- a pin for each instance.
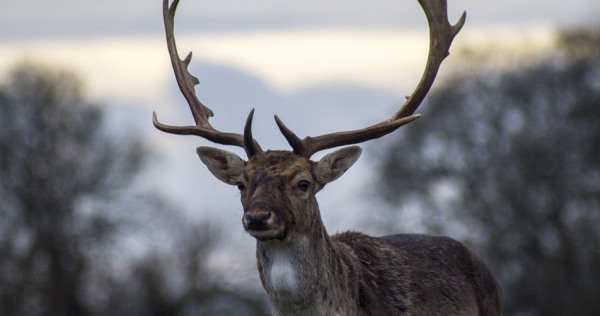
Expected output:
(306, 271)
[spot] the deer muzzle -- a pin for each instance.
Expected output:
(262, 222)
(257, 220)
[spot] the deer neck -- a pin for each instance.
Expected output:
(305, 274)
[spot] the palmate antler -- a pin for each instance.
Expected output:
(441, 35)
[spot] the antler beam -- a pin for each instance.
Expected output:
(201, 113)
(441, 34)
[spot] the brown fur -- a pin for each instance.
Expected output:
(307, 272)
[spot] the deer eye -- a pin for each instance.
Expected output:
(240, 186)
(304, 185)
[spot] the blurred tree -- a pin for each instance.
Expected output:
(54, 154)
(512, 158)
(174, 279)
(65, 184)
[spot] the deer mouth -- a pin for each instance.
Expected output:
(270, 234)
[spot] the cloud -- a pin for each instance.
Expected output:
(84, 19)
(136, 67)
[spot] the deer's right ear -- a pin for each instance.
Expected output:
(224, 165)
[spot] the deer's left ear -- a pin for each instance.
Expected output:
(333, 165)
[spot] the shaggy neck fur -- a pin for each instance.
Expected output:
(306, 275)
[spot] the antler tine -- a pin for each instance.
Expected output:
(187, 82)
(441, 36)
(309, 145)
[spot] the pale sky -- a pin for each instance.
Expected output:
(321, 66)
(68, 18)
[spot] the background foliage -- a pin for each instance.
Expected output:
(509, 160)
(69, 206)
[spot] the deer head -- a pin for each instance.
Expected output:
(277, 186)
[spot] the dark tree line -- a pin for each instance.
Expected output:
(512, 157)
(67, 200)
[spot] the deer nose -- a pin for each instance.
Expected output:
(257, 220)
